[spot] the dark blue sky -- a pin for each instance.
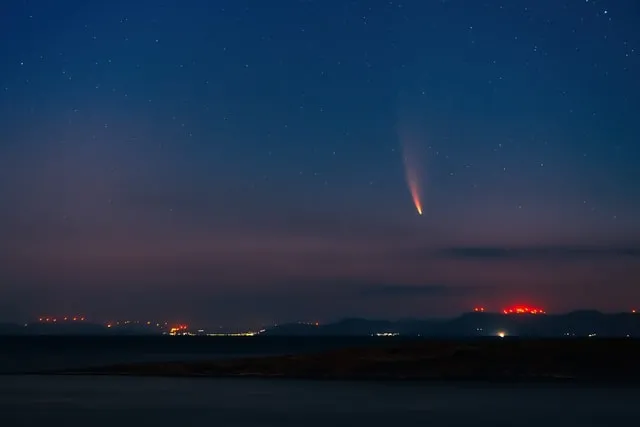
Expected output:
(242, 161)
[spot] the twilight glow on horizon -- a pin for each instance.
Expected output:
(246, 162)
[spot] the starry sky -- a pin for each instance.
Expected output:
(246, 162)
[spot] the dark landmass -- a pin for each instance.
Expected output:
(11, 329)
(495, 360)
(74, 328)
(574, 324)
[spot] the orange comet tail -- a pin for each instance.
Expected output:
(414, 189)
(416, 198)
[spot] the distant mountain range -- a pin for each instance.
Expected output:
(74, 328)
(574, 324)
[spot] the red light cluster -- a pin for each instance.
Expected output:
(479, 309)
(523, 309)
(61, 319)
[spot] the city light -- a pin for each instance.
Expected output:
(178, 330)
(236, 334)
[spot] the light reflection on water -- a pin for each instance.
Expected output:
(124, 401)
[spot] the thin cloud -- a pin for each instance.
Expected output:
(428, 290)
(550, 253)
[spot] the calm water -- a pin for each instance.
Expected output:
(28, 354)
(120, 401)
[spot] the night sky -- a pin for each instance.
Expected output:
(243, 162)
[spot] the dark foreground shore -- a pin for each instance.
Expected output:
(589, 360)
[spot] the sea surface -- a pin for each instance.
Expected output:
(128, 401)
(20, 354)
(41, 400)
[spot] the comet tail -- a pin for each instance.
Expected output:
(414, 187)
(413, 164)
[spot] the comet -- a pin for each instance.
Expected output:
(414, 187)
(412, 173)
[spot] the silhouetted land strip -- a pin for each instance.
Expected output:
(591, 360)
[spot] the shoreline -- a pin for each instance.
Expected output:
(588, 361)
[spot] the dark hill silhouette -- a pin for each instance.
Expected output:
(11, 329)
(75, 328)
(574, 324)
(64, 328)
